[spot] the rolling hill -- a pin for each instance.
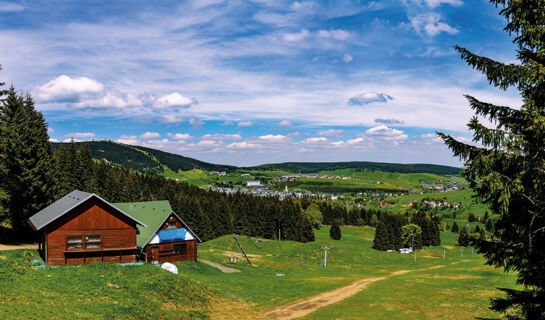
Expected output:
(152, 160)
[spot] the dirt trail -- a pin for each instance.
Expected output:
(303, 307)
(18, 246)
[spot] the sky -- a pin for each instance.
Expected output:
(247, 82)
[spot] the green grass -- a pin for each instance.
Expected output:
(352, 258)
(95, 291)
(457, 291)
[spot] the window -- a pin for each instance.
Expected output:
(180, 248)
(74, 243)
(80, 242)
(171, 225)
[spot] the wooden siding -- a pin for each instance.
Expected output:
(93, 217)
(164, 252)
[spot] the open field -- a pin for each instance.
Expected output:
(353, 259)
(454, 287)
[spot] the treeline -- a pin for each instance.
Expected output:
(388, 235)
(32, 176)
(354, 216)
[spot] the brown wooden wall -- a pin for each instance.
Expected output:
(93, 217)
(164, 252)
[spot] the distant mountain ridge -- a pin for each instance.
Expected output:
(151, 160)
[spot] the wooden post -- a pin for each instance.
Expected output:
(241, 249)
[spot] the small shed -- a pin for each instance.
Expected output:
(165, 236)
(82, 227)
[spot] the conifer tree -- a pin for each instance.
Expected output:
(455, 227)
(507, 169)
(335, 231)
(464, 238)
(26, 176)
(381, 240)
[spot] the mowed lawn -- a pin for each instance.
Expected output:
(289, 271)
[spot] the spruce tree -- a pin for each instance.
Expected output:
(381, 240)
(506, 168)
(335, 230)
(26, 175)
(455, 227)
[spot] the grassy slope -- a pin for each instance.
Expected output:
(95, 291)
(461, 286)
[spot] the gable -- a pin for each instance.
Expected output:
(65, 205)
(92, 214)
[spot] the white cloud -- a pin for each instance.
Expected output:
(314, 140)
(430, 24)
(10, 7)
(81, 135)
(50, 130)
(179, 136)
(284, 124)
(173, 100)
(355, 140)
(150, 135)
(369, 97)
(171, 118)
(388, 121)
(196, 123)
(53, 140)
(295, 37)
(109, 100)
(71, 140)
(243, 145)
(338, 133)
(133, 140)
(243, 124)
(337, 34)
(385, 133)
(228, 123)
(221, 136)
(347, 58)
(275, 138)
(437, 3)
(66, 89)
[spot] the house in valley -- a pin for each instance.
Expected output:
(166, 237)
(82, 228)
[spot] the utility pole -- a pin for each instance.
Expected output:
(325, 255)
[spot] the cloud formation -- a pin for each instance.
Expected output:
(369, 97)
(388, 121)
(431, 24)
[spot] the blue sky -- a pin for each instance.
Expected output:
(247, 82)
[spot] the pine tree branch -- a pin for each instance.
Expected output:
(498, 74)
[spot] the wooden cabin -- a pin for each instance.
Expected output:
(82, 227)
(166, 237)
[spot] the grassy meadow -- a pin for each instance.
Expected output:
(465, 283)
(283, 272)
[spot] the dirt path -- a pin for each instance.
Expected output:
(303, 307)
(4, 247)
(219, 266)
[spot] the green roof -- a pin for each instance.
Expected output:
(151, 213)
